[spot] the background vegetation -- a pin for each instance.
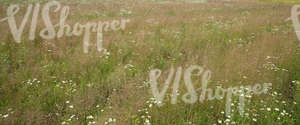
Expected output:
(242, 42)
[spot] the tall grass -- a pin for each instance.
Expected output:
(54, 82)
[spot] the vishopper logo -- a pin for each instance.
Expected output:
(295, 12)
(191, 96)
(49, 32)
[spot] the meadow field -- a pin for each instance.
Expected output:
(243, 43)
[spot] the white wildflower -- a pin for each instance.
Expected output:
(227, 120)
(71, 106)
(110, 120)
(5, 116)
(254, 119)
(220, 121)
(90, 117)
(150, 105)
